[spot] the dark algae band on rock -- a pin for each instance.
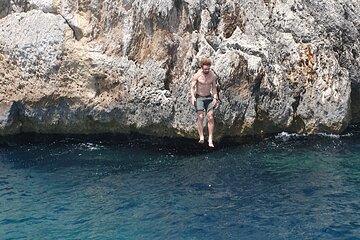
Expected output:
(179, 146)
(88, 68)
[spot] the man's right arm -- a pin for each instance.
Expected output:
(193, 88)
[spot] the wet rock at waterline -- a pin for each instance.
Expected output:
(121, 66)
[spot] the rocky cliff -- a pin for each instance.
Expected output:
(94, 66)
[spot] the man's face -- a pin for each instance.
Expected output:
(205, 69)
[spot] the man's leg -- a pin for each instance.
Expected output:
(210, 117)
(200, 115)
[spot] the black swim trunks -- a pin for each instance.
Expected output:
(204, 103)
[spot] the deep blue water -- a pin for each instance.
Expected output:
(286, 187)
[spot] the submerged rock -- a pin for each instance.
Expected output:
(124, 66)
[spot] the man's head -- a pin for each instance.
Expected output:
(205, 64)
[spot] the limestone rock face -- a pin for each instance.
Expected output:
(94, 66)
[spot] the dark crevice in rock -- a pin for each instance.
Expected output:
(196, 23)
(171, 63)
(256, 93)
(296, 103)
(354, 53)
(195, 46)
(232, 18)
(178, 4)
(168, 81)
(215, 18)
(5, 8)
(78, 34)
(249, 51)
(355, 99)
(195, 19)
(16, 116)
(256, 89)
(298, 124)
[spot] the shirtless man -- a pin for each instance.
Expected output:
(204, 97)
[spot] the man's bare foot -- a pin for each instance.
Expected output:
(201, 140)
(211, 144)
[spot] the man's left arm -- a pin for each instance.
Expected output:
(214, 89)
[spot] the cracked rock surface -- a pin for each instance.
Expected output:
(100, 66)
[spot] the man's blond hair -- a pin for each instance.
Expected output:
(205, 61)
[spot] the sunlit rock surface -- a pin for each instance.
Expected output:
(94, 66)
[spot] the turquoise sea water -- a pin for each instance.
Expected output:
(285, 187)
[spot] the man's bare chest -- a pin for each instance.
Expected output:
(204, 80)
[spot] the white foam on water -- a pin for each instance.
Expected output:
(329, 135)
(90, 146)
(285, 136)
(337, 136)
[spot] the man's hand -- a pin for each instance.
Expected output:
(215, 103)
